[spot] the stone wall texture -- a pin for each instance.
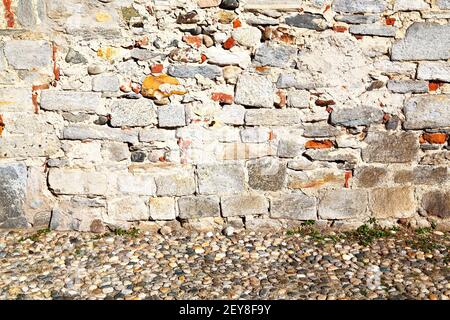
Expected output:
(208, 113)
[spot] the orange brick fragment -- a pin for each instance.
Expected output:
(433, 86)
(157, 68)
(325, 103)
(193, 40)
(390, 21)
(434, 138)
(319, 144)
(2, 125)
(237, 23)
(229, 43)
(340, 28)
(222, 98)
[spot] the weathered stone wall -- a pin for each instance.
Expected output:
(256, 113)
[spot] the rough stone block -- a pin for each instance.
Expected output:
(133, 113)
(343, 204)
(360, 116)
(105, 83)
(410, 5)
(162, 208)
(406, 86)
(141, 185)
(296, 206)
(443, 4)
(178, 182)
(359, 6)
(231, 114)
(131, 208)
(274, 55)
(244, 204)
(373, 30)
(190, 71)
(437, 203)
(13, 183)
(423, 112)
(220, 178)
(171, 116)
(298, 99)
(28, 54)
(384, 147)
(307, 21)
(154, 134)
(266, 174)
(392, 202)
(255, 91)
(71, 101)
(15, 99)
(273, 117)
(436, 70)
(319, 178)
(423, 41)
(72, 181)
(83, 132)
(244, 151)
(198, 207)
(370, 176)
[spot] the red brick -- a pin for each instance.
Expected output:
(229, 43)
(193, 40)
(222, 97)
(435, 138)
(319, 144)
(157, 68)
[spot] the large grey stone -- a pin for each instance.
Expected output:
(357, 19)
(406, 86)
(73, 181)
(392, 202)
(436, 70)
(171, 116)
(343, 204)
(443, 4)
(359, 116)
(15, 99)
(190, 71)
(437, 203)
(307, 21)
(13, 182)
(220, 178)
(296, 206)
(247, 36)
(423, 112)
(274, 55)
(28, 54)
(83, 132)
(129, 208)
(162, 208)
(373, 30)
(140, 185)
(133, 113)
(273, 117)
(268, 174)
(70, 101)
(176, 182)
(359, 6)
(25, 13)
(410, 5)
(423, 41)
(105, 83)
(254, 91)
(384, 147)
(198, 207)
(244, 204)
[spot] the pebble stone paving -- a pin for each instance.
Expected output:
(246, 265)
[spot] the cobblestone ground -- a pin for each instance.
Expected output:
(295, 265)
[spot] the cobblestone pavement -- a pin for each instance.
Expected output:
(402, 264)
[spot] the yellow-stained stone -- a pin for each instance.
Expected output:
(108, 53)
(102, 16)
(161, 86)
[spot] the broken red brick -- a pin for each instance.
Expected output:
(329, 109)
(141, 42)
(56, 71)
(389, 21)
(347, 176)
(319, 144)
(271, 135)
(44, 86)
(262, 69)
(229, 43)
(434, 138)
(193, 40)
(433, 86)
(328, 7)
(340, 28)
(9, 14)
(203, 58)
(222, 98)
(136, 88)
(2, 125)
(386, 117)
(282, 99)
(157, 68)
(34, 100)
(325, 103)
(358, 37)
(237, 23)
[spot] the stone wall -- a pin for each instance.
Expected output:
(256, 113)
